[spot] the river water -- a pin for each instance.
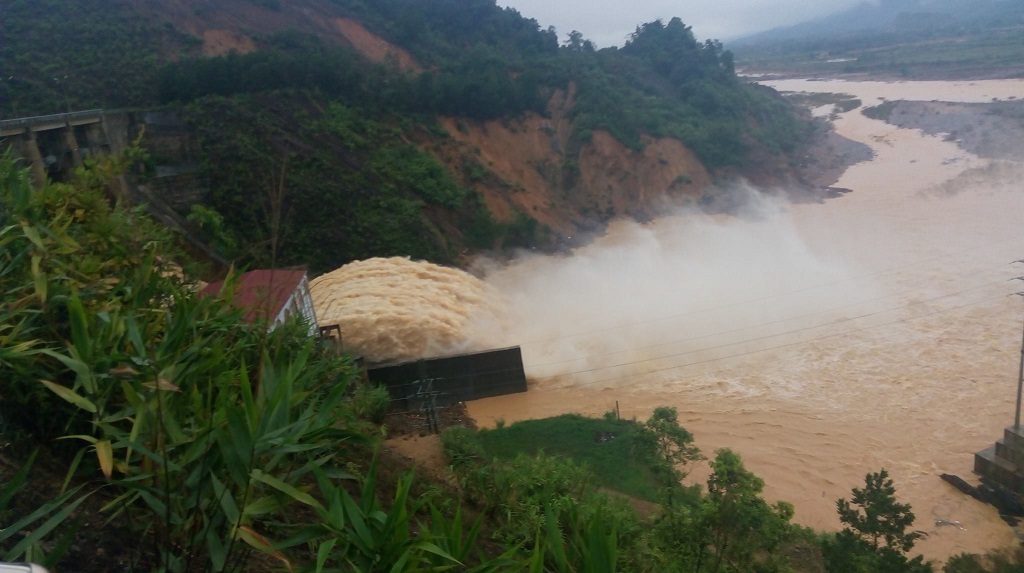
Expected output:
(819, 341)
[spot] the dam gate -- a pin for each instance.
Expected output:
(438, 382)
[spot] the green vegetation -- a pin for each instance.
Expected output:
(996, 562)
(336, 184)
(194, 428)
(215, 445)
(726, 527)
(580, 438)
(62, 55)
(343, 157)
(876, 536)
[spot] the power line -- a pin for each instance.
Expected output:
(742, 354)
(763, 324)
(728, 357)
(755, 339)
(846, 280)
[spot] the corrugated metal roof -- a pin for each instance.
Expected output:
(261, 293)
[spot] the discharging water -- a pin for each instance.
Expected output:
(396, 309)
(819, 341)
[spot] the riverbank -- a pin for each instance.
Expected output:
(821, 341)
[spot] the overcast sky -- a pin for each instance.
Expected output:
(609, 22)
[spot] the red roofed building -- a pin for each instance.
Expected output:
(271, 295)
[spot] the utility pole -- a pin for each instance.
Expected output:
(1020, 381)
(1020, 372)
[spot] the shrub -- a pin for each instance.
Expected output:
(462, 448)
(371, 402)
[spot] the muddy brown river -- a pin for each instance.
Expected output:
(819, 341)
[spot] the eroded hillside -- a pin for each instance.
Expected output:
(409, 129)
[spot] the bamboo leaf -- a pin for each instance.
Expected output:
(358, 521)
(39, 278)
(215, 547)
(75, 365)
(285, 488)
(226, 498)
(15, 483)
(261, 506)
(399, 565)
(105, 455)
(71, 396)
(162, 384)
(156, 505)
(304, 536)
(323, 553)
(86, 437)
(257, 541)
(432, 548)
(80, 329)
(123, 370)
(33, 235)
(40, 532)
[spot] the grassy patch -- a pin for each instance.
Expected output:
(574, 436)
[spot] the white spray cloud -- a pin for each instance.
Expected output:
(651, 297)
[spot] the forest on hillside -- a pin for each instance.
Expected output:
(481, 62)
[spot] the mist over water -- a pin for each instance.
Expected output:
(819, 341)
(683, 291)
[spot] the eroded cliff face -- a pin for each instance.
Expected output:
(236, 26)
(536, 169)
(530, 165)
(568, 186)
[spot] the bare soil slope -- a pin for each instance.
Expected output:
(569, 190)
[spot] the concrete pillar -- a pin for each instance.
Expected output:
(72, 144)
(30, 150)
(95, 139)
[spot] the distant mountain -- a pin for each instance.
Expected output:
(914, 17)
(905, 38)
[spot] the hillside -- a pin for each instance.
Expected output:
(400, 128)
(921, 39)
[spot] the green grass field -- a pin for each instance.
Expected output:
(573, 436)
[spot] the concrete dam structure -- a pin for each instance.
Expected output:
(54, 145)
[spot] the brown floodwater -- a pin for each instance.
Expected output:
(819, 341)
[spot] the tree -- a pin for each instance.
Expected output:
(876, 536)
(668, 443)
(741, 524)
(875, 516)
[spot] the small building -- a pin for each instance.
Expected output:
(270, 295)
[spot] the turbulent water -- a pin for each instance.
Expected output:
(820, 341)
(395, 309)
